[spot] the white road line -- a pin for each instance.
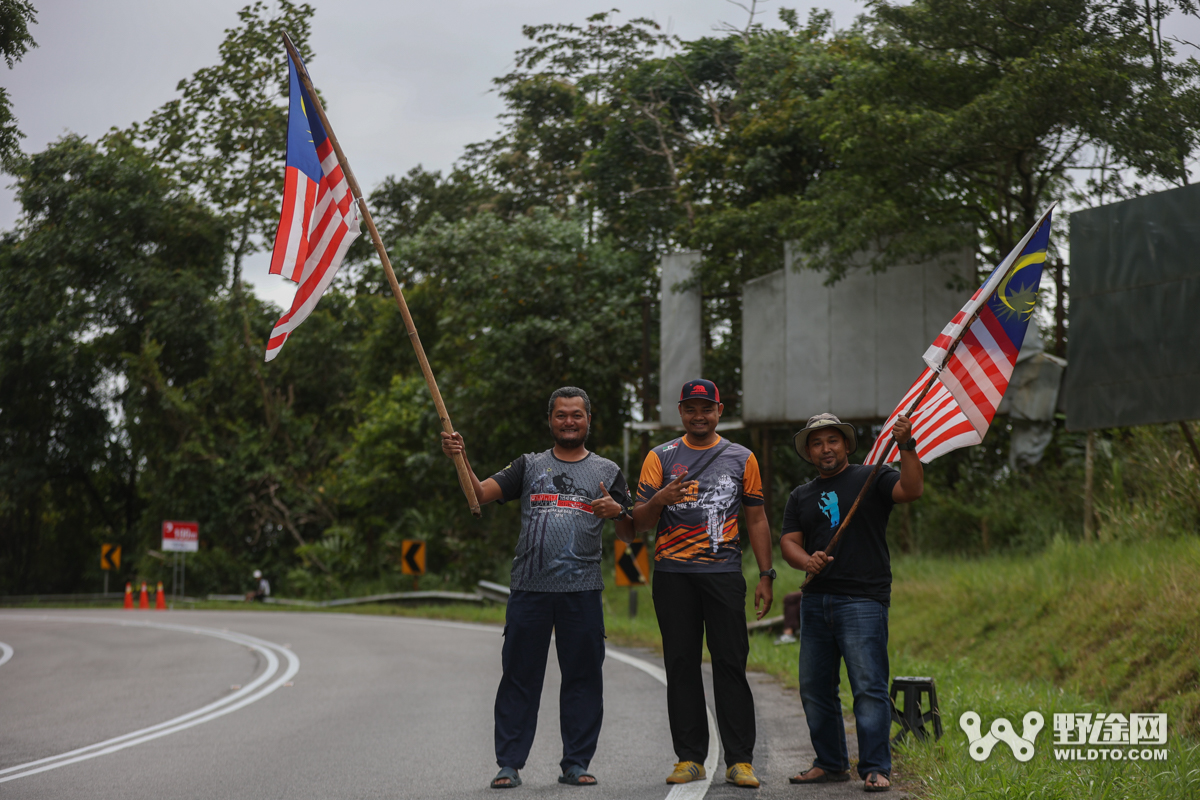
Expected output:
(682, 791)
(254, 691)
(5, 652)
(695, 790)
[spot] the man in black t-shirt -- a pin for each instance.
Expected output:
(844, 614)
(566, 495)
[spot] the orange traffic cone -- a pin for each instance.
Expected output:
(129, 596)
(160, 599)
(143, 599)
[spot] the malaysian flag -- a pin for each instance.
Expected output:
(319, 219)
(962, 402)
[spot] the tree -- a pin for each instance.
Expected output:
(15, 40)
(954, 124)
(111, 261)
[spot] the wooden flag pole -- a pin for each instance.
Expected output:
(460, 463)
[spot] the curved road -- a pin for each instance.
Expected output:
(288, 705)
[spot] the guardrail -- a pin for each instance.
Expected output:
(487, 591)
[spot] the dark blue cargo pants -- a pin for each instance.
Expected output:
(577, 621)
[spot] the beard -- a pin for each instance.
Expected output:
(838, 463)
(570, 440)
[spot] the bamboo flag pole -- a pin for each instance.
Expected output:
(887, 451)
(460, 463)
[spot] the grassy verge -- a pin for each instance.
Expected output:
(1075, 629)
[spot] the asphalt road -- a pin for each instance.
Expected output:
(263, 705)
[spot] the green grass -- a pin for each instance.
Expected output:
(1077, 628)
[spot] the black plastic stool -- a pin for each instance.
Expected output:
(912, 718)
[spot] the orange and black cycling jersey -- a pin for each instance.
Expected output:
(700, 532)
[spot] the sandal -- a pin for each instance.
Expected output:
(506, 774)
(824, 777)
(572, 774)
(872, 784)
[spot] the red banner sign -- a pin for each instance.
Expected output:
(180, 537)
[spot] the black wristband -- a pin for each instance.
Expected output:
(911, 444)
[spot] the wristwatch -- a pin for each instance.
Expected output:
(767, 574)
(911, 444)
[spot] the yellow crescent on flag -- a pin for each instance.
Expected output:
(1024, 261)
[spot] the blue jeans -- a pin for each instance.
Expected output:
(832, 628)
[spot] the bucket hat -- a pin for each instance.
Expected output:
(800, 440)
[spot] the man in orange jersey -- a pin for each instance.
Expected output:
(690, 492)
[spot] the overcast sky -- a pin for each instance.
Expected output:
(406, 83)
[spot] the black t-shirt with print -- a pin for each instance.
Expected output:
(861, 565)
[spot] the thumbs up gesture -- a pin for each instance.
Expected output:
(604, 506)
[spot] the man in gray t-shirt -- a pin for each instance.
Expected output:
(566, 494)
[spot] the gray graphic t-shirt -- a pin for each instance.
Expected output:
(559, 547)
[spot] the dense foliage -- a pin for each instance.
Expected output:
(132, 387)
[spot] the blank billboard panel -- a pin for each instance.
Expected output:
(681, 349)
(763, 354)
(852, 348)
(1134, 348)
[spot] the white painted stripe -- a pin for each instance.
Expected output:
(6, 652)
(251, 693)
(682, 791)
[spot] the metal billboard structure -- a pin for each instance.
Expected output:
(681, 346)
(852, 348)
(1134, 345)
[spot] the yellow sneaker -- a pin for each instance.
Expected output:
(742, 775)
(686, 772)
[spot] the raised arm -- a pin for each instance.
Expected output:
(912, 472)
(486, 492)
(646, 513)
